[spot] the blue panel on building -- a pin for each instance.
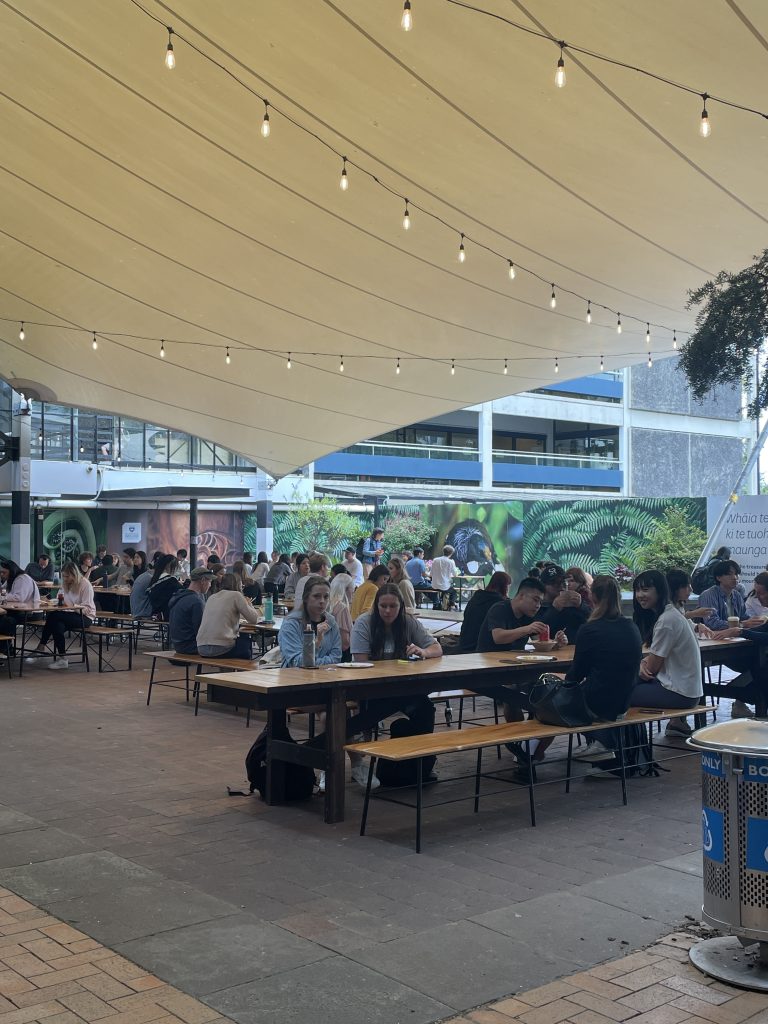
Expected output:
(557, 476)
(595, 387)
(351, 464)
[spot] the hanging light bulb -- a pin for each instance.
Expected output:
(94, 343)
(453, 367)
(227, 360)
(560, 72)
(162, 349)
(674, 340)
(40, 436)
(344, 180)
(618, 324)
(341, 364)
(21, 331)
(705, 129)
(506, 369)
(397, 368)
(406, 22)
(462, 252)
(406, 217)
(647, 334)
(553, 299)
(265, 128)
(557, 365)
(288, 364)
(512, 273)
(589, 311)
(650, 361)
(82, 448)
(602, 364)
(170, 56)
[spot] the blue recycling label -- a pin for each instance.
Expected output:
(712, 834)
(712, 764)
(755, 769)
(757, 844)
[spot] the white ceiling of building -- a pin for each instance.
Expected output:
(144, 204)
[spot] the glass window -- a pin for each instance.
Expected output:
(179, 453)
(130, 449)
(57, 439)
(156, 445)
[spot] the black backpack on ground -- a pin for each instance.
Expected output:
(299, 778)
(403, 773)
(637, 754)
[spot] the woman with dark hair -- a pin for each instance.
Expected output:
(757, 598)
(139, 564)
(219, 634)
(338, 569)
(261, 568)
(399, 577)
(277, 575)
(302, 569)
(312, 612)
(477, 608)
(251, 588)
(20, 588)
(680, 589)
(163, 584)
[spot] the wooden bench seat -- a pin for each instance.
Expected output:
(189, 660)
(125, 617)
(407, 748)
(108, 633)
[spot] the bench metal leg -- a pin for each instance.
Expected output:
(623, 765)
(531, 771)
(367, 800)
(419, 794)
(461, 711)
(196, 690)
(151, 680)
(568, 764)
(477, 778)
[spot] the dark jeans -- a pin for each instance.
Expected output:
(418, 708)
(511, 696)
(651, 694)
(243, 648)
(440, 596)
(57, 624)
(751, 686)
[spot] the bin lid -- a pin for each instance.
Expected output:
(740, 736)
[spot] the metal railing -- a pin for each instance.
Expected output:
(446, 452)
(550, 459)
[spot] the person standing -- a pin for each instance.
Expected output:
(443, 570)
(182, 573)
(373, 549)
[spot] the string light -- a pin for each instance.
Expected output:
(506, 368)
(462, 252)
(344, 180)
(674, 340)
(21, 332)
(162, 349)
(94, 343)
(512, 274)
(397, 368)
(647, 334)
(341, 364)
(705, 129)
(227, 359)
(265, 126)
(560, 72)
(557, 365)
(288, 364)
(406, 217)
(406, 22)
(453, 367)
(602, 364)
(589, 311)
(82, 448)
(650, 361)
(553, 298)
(618, 324)
(170, 56)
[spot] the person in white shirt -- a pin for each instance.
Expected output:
(261, 568)
(20, 588)
(757, 598)
(443, 571)
(182, 573)
(354, 566)
(78, 610)
(319, 565)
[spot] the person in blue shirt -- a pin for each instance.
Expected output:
(313, 612)
(726, 600)
(416, 568)
(373, 549)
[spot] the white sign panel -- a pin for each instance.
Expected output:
(131, 533)
(745, 532)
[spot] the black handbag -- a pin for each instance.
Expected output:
(556, 701)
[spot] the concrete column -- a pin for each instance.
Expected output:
(20, 481)
(264, 531)
(485, 444)
(193, 535)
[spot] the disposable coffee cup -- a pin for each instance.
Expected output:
(733, 621)
(544, 633)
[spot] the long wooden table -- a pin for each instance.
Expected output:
(276, 690)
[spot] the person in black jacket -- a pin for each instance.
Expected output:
(163, 584)
(185, 611)
(561, 608)
(478, 607)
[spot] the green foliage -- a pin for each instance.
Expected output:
(404, 531)
(318, 525)
(675, 543)
(597, 535)
(731, 326)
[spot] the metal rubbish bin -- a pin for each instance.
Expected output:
(734, 819)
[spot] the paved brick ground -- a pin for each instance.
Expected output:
(114, 818)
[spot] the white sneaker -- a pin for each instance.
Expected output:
(594, 751)
(740, 710)
(57, 664)
(360, 776)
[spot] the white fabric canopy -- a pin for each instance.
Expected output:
(138, 201)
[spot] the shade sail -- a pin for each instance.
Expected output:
(144, 204)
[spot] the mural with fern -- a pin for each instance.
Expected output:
(598, 535)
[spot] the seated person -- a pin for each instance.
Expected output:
(163, 585)
(443, 571)
(41, 571)
(125, 568)
(416, 568)
(85, 563)
(105, 573)
(141, 606)
(312, 611)
(387, 633)
(77, 611)
(319, 565)
(757, 598)
(400, 578)
(302, 569)
(277, 573)
(561, 608)
(20, 588)
(364, 595)
(251, 588)
(219, 633)
(478, 607)
(185, 611)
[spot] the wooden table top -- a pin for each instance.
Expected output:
(122, 591)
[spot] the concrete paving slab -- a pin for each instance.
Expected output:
(12, 820)
(662, 893)
(137, 908)
(690, 863)
(221, 954)
(33, 845)
(335, 990)
(460, 961)
(68, 877)
(576, 928)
